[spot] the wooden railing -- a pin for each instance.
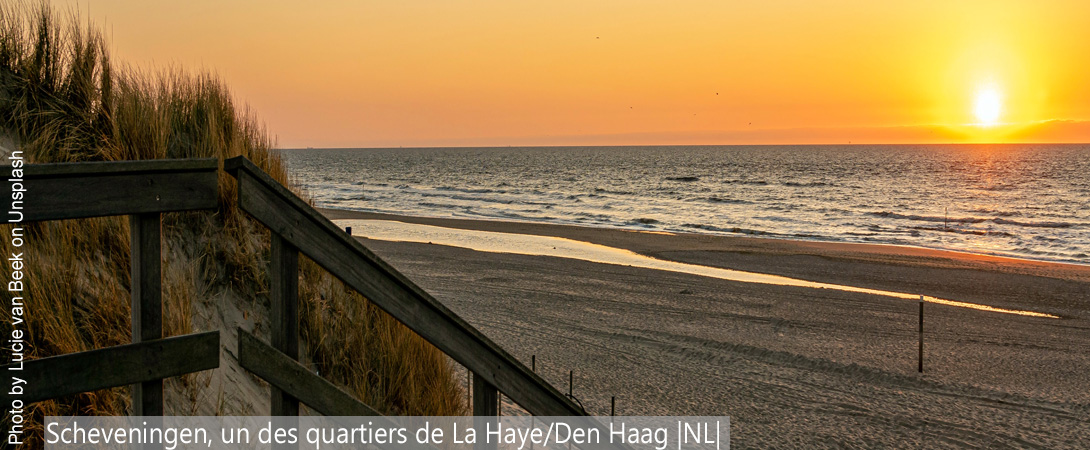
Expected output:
(142, 190)
(145, 189)
(298, 228)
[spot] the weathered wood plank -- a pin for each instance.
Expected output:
(128, 167)
(147, 303)
(75, 190)
(485, 409)
(62, 375)
(485, 397)
(347, 259)
(295, 380)
(284, 314)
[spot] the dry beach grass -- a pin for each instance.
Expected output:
(63, 100)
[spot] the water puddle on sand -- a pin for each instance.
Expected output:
(527, 244)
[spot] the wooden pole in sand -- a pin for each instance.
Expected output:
(920, 359)
(571, 382)
(533, 368)
(147, 303)
(485, 407)
(284, 314)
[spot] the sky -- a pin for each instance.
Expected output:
(631, 72)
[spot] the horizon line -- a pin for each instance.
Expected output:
(676, 145)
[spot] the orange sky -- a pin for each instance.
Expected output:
(605, 72)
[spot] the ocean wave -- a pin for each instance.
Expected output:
(344, 198)
(971, 220)
(714, 228)
(443, 205)
(531, 202)
(995, 212)
(1033, 224)
(607, 191)
(893, 215)
(883, 230)
(471, 190)
(785, 192)
(735, 201)
(775, 218)
(996, 187)
(750, 182)
(588, 215)
(467, 198)
(966, 231)
(807, 184)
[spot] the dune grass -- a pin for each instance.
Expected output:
(61, 100)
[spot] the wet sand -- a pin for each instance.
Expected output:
(792, 366)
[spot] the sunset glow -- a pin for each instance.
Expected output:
(615, 72)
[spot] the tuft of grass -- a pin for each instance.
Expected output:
(62, 100)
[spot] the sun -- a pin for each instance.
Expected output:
(987, 106)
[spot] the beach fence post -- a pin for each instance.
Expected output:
(147, 302)
(348, 230)
(533, 368)
(571, 381)
(284, 314)
(485, 406)
(920, 358)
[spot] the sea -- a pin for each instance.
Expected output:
(1021, 200)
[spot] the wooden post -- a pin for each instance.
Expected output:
(147, 303)
(484, 397)
(284, 314)
(348, 230)
(920, 359)
(571, 382)
(533, 368)
(485, 401)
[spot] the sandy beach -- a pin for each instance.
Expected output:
(792, 366)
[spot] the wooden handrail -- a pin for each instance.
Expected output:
(57, 376)
(315, 236)
(143, 190)
(294, 379)
(93, 189)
